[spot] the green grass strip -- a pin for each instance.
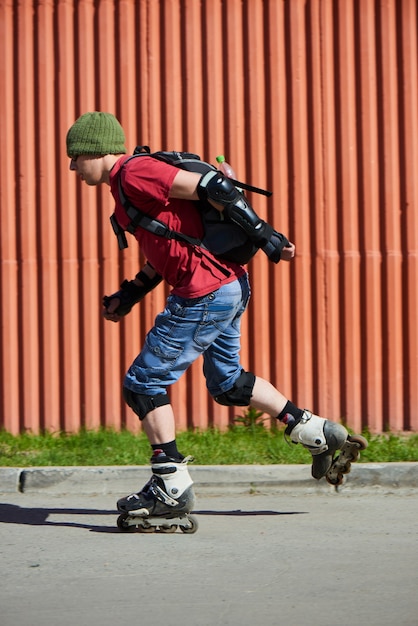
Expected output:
(240, 445)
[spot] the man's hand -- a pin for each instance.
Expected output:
(121, 302)
(109, 313)
(288, 253)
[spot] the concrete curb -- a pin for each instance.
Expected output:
(210, 480)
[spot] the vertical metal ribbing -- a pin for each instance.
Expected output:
(315, 100)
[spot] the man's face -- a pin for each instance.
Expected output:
(88, 168)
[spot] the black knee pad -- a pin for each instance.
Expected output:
(240, 394)
(142, 404)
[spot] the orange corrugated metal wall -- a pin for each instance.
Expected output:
(316, 100)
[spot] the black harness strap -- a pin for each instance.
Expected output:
(157, 227)
(139, 219)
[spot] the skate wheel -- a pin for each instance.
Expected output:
(123, 525)
(191, 527)
(335, 482)
(168, 530)
(355, 454)
(359, 440)
(145, 527)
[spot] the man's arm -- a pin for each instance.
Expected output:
(184, 185)
(217, 189)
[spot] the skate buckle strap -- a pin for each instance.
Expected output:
(309, 432)
(307, 415)
(162, 496)
(133, 496)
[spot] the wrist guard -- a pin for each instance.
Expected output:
(131, 293)
(275, 245)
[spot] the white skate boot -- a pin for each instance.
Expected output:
(323, 438)
(164, 503)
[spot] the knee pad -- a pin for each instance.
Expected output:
(240, 394)
(142, 404)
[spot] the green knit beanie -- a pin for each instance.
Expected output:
(97, 134)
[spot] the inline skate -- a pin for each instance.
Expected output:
(323, 439)
(164, 503)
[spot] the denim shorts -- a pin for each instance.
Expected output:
(187, 328)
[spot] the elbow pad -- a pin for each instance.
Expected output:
(215, 187)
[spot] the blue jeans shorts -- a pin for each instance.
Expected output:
(187, 328)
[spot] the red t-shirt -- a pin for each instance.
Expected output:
(147, 183)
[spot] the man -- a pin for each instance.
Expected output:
(202, 314)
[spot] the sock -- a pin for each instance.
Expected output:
(169, 449)
(290, 415)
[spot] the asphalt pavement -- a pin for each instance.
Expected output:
(273, 547)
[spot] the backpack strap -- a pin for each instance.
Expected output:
(157, 227)
(139, 219)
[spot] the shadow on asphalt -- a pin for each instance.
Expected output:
(240, 513)
(13, 514)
